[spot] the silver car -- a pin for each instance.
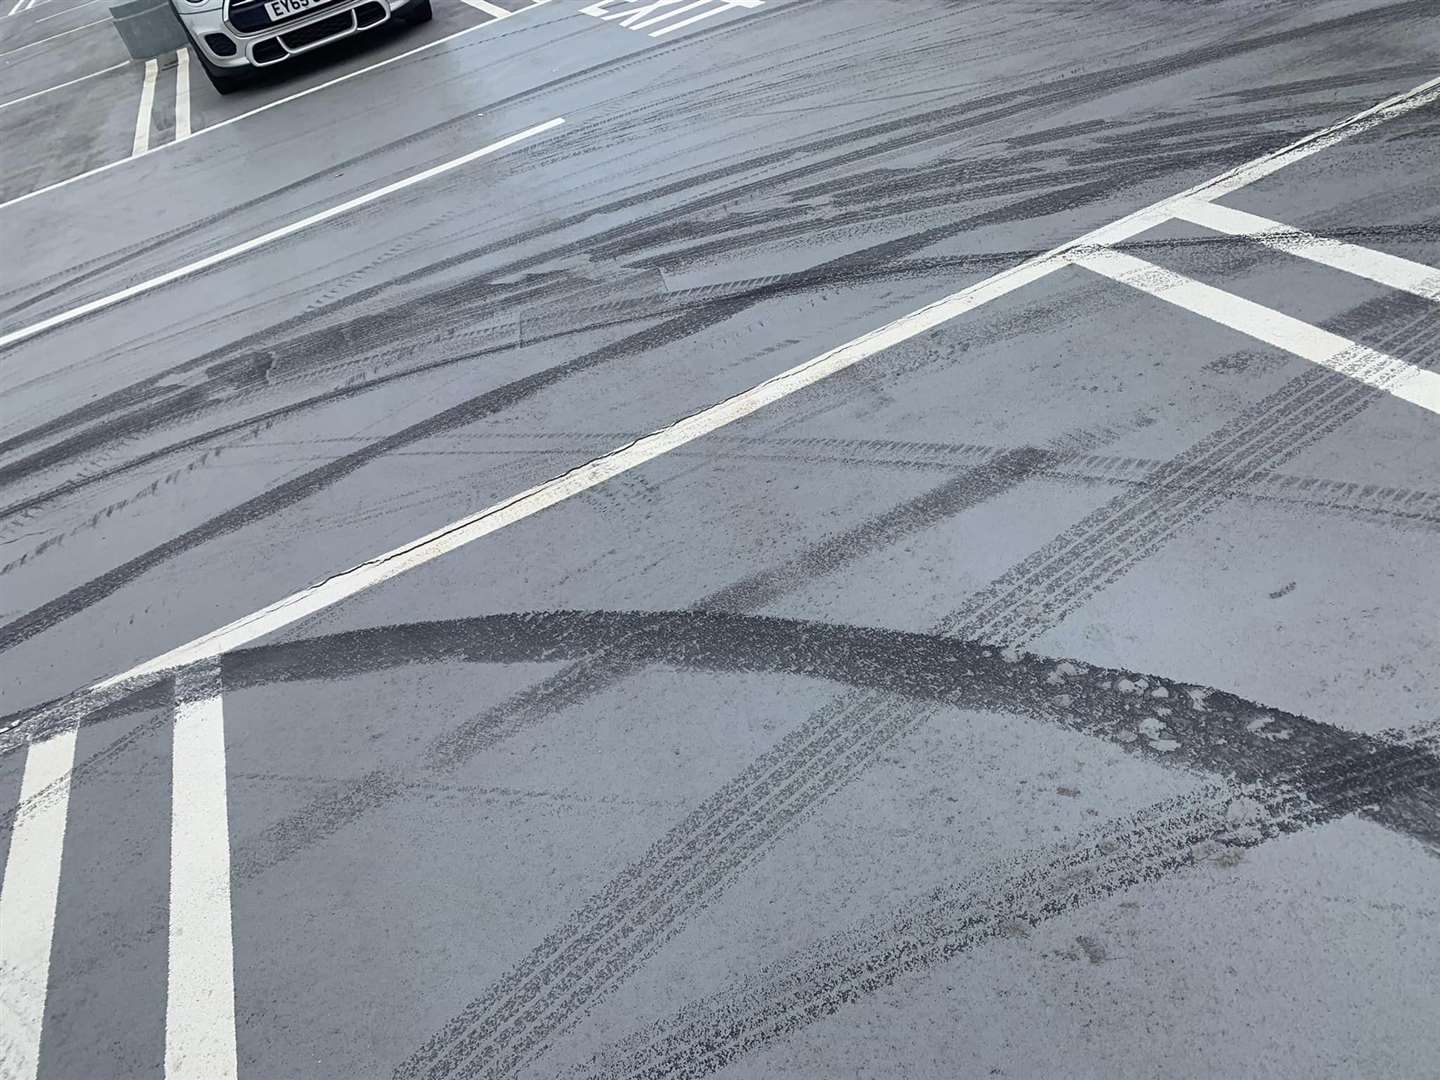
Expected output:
(234, 37)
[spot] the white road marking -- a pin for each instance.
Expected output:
(66, 11)
(200, 1004)
(489, 8)
(724, 6)
(27, 902)
(663, 16)
(52, 37)
(637, 18)
(147, 106)
(341, 586)
(1397, 377)
(182, 94)
(267, 106)
(1378, 266)
(61, 86)
(270, 237)
(18, 5)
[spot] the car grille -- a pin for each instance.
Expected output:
(318, 31)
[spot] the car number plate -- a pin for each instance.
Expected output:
(283, 9)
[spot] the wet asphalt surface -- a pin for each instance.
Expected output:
(1052, 694)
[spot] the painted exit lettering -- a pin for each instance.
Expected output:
(665, 15)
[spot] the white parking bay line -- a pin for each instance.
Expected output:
(268, 105)
(61, 86)
(67, 11)
(1378, 266)
(725, 5)
(294, 227)
(52, 37)
(200, 1003)
(27, 902)
(1394, 376)
(147, 106)
(182, 94)
(18, 5)
(489, 8)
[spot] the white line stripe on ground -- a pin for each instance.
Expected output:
(1378, 266)
(52, 37)
(670, 13)
(147, 106)
(18, 5)
(27, 902)
(182, 94)
(267, 106)
(270, 237)
(730, 5)
(61, 86)
(1404, 380)
(200, 1003)
(67, 11)
(489, 8)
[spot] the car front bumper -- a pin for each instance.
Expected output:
(274, 43)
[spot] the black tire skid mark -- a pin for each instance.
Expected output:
(583, 678)
(903, 196)
(1346, 498)
(236, 375)
(1108, 542)
(830, 750)
(293, 491)
(265, 419)
(1216, 731)
(1160, 842)
(1337, 770)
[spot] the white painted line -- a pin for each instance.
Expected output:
(270, 237)
(18, 5)
(27, 902)
(264, 108)
(725, 5)
(1394, 376)
(489, 9)
(61, 86)
(147, 106)
(67, 11)
(182, 94)
(630, 22)
(52, 37)
(1385, 269)
(200, 1004)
